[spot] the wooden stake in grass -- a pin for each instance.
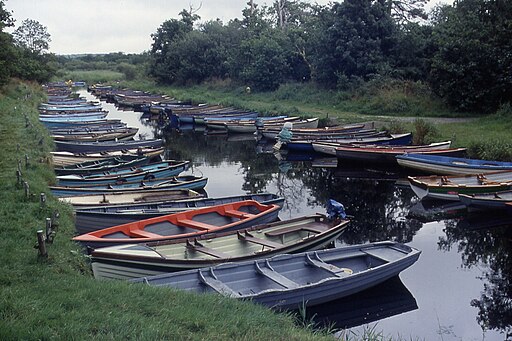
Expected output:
(50, 233)
(41, 244)
(18, 177)
(43, 200)
(55, 220)
(27, 189)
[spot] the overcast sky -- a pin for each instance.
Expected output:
(102, 26)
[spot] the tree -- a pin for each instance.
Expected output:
(264, 62)
(7, 52)
(471, 68)
(164, 60)
(6, 19)
(357, 40)
(406, 11)
(33, 36)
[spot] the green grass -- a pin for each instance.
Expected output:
(56, 297)
(90, 76)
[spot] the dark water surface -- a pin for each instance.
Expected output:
(460, 289)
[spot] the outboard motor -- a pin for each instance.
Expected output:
(335, 210)
(284, 136)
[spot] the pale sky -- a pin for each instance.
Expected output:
(103, 26)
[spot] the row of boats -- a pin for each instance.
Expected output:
(479, 184)
(138, 217)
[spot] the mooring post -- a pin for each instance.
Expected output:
(18, 177)
(41, 244)
(49, 231)
(42, 200)
(27, 189)
(55, 220)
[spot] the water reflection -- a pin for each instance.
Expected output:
(384, 300)
(484, 240)
(383, 207)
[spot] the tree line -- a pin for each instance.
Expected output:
(24, 53)
(462, 50)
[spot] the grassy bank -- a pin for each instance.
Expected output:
(57, 298)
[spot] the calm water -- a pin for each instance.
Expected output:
(460, 289)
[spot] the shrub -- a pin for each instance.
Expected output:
(424, 132)
(491, 150)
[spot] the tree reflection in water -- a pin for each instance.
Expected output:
(480, 243)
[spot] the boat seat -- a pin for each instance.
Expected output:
(198, 247)
(216, 285)
(318, 263)
(271, 274)
(143, 234)
(195, 224)
(285, 230)
(251, 239)
(238, 214)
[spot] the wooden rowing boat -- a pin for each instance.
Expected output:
(449, 187)
(496, 200)
(62, 159)
(434, 164)
(92, 218)
(177, 182)
(292, 281)
(260, 241)
(163, 169)
(102, 165)
(188, 224)
(387, 154)
(96, 147)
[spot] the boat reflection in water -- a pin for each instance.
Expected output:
(384, 300)
(435, 210)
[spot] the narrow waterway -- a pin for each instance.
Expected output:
(458, 290)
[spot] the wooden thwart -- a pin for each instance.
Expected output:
(270, 273)
(195, 224)
(198, 247)
(250, 238)
(217, 285)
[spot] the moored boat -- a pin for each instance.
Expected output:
(183, 225)
(496, 200)
(88, 147)
(290, 281)
(102, 165)
(273, 132)
(387, 154)
(61, 159)
(329, 146)
(434, 164)
(260, 241)
(152, 171)
(449, 187)
(146, 205)
(122, 135)
(178, 182)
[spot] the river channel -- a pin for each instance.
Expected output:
(460, 288)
